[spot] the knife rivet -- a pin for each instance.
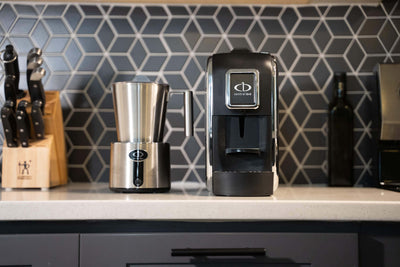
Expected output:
(21, 130)
(36, 123)
(39, 135)
(34, 86)
(7, 130)
(24, 143)
(19, 117)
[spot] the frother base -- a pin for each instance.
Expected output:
(140, 167)
(141, 190)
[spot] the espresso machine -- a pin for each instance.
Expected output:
(242, 124)
(140, 160)
(389, 138)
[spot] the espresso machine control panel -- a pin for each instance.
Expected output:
(242, 90)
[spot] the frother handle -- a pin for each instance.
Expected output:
(188, 108)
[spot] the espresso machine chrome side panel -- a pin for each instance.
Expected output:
(208, 130)
(252, 110)
(140, 167)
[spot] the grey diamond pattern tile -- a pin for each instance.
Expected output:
(54, 10)
(23, 26)
(305, 45)
(154, 45)
(240, 26)
(308, 11)
(120, 11)
(7, 16)
(95, 129)
(105, 35)
(138, 17)
(289, 18)
(272, 26)
(306, 27)
(91, 10)
(224, 17)
(73, 16)
(40, 35)
(338, 46)
(89, 46)
(388, 35)
(56, 26)
(25, 10)
(122, 26)
(192, 35)
(355, 18)
(138, 54)
(73, 54)
(122, 44)
(176, 25)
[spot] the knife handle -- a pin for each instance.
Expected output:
(11, 67)
(10, 92)
(23, 123)
(37, 119)
(9, 125)
(36, 91)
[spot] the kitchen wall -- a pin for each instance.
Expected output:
(87, 47)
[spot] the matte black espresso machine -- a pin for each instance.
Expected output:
(242, 124)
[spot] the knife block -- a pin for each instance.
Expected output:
(44, 159)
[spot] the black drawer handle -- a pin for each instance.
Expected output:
(192, 252)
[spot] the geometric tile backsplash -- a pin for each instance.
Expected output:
(87, 47)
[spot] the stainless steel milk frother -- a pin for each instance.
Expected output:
(140, 160)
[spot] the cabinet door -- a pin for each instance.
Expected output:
(39, 250)
(286, 249)
(379, 250)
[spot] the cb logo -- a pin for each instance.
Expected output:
(242, 87)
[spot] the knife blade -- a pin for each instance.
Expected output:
(23, 123)
(37, 118)
(9, 124)
(11, 67)
(33, 62)
(35, 87)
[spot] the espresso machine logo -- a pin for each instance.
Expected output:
(24, 170)
(242, 87)
(138, 155)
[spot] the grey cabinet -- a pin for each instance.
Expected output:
(39, 250)
(155, 249)
(379, 250)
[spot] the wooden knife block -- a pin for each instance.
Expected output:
(45, 160)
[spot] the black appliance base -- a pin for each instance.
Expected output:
(243, 183)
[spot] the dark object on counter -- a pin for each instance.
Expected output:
(389, 138)
(242, 124)
(37, 119)
(340, 135)
(11, 67)
(9, 123)
(23, 123)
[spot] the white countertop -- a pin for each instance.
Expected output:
(84, 201)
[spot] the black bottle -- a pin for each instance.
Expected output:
(340, 135)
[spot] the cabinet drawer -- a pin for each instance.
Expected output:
(155, 249)
(39, 250)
